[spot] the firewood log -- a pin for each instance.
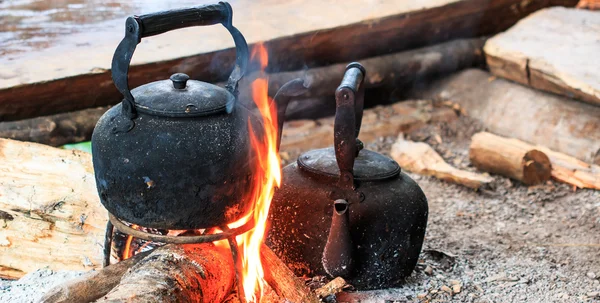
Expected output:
(316, 38)
(333, 287)
(390, 70)
(509, 157)
(420, 158)
(177, 273)
(564, 168)
(527, 52)
(50, 213)
(93, 285)
(283, 280)
(512, 110)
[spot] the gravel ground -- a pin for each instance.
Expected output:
(508, 243)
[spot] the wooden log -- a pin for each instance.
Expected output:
(79, 78)
(490, 152)
(177, 273)
(331, 288)
(377, 122)
(93, 285)
(54, 130)
(510, 158)
(589, 4)
(392, 71)
(50, 213)
(283, 280)
(528, 53)
(516, 111)
(420, 158)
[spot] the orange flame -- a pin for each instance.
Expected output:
(267, 172)
(268, 176)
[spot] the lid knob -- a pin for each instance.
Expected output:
(179, 80)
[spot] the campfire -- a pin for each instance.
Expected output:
(439, 162)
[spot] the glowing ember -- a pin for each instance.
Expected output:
(127, 253)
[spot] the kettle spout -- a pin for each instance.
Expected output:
(283, 96)
(337, 255)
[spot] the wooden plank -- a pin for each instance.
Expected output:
(551, 50)
(50, 213)
(512, 110)
(72, 79)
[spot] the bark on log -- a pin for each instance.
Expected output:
(527, 53)
(283, 280)
(377, 122)
(50, 213)
(317, 47)
(177, 273)
(510, 158)
(390, 71)
(395, 70)
(420, 158)
(93, 285)
(54, 130)
(515, 111)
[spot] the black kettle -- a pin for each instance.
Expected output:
(175, 154)
(347, 211)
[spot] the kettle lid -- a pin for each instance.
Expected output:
(368, 166)
(181, 97)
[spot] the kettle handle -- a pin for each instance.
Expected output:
(349, 99)
(138, 27)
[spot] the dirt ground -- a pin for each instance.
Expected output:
(507, 243)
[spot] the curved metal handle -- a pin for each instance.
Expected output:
(137, 27)
(349, 99)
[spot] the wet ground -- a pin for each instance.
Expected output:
(27, 25)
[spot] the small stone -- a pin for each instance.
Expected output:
(433, 292)
(428, 270)
(447, 289)
(591, 275)
(454, 282)
(421, 296)
(456, 288)
(439, 277)
(593, 294)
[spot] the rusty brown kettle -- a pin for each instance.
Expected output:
(348, 211)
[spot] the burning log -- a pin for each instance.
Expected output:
(177, 273)
(50, 213)
(93, 285)
(491, 153)
(420, 158)
(283, 280)
(526, 53)
(509, 157)
(512, 110)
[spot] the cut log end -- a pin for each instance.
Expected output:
(536, 167)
